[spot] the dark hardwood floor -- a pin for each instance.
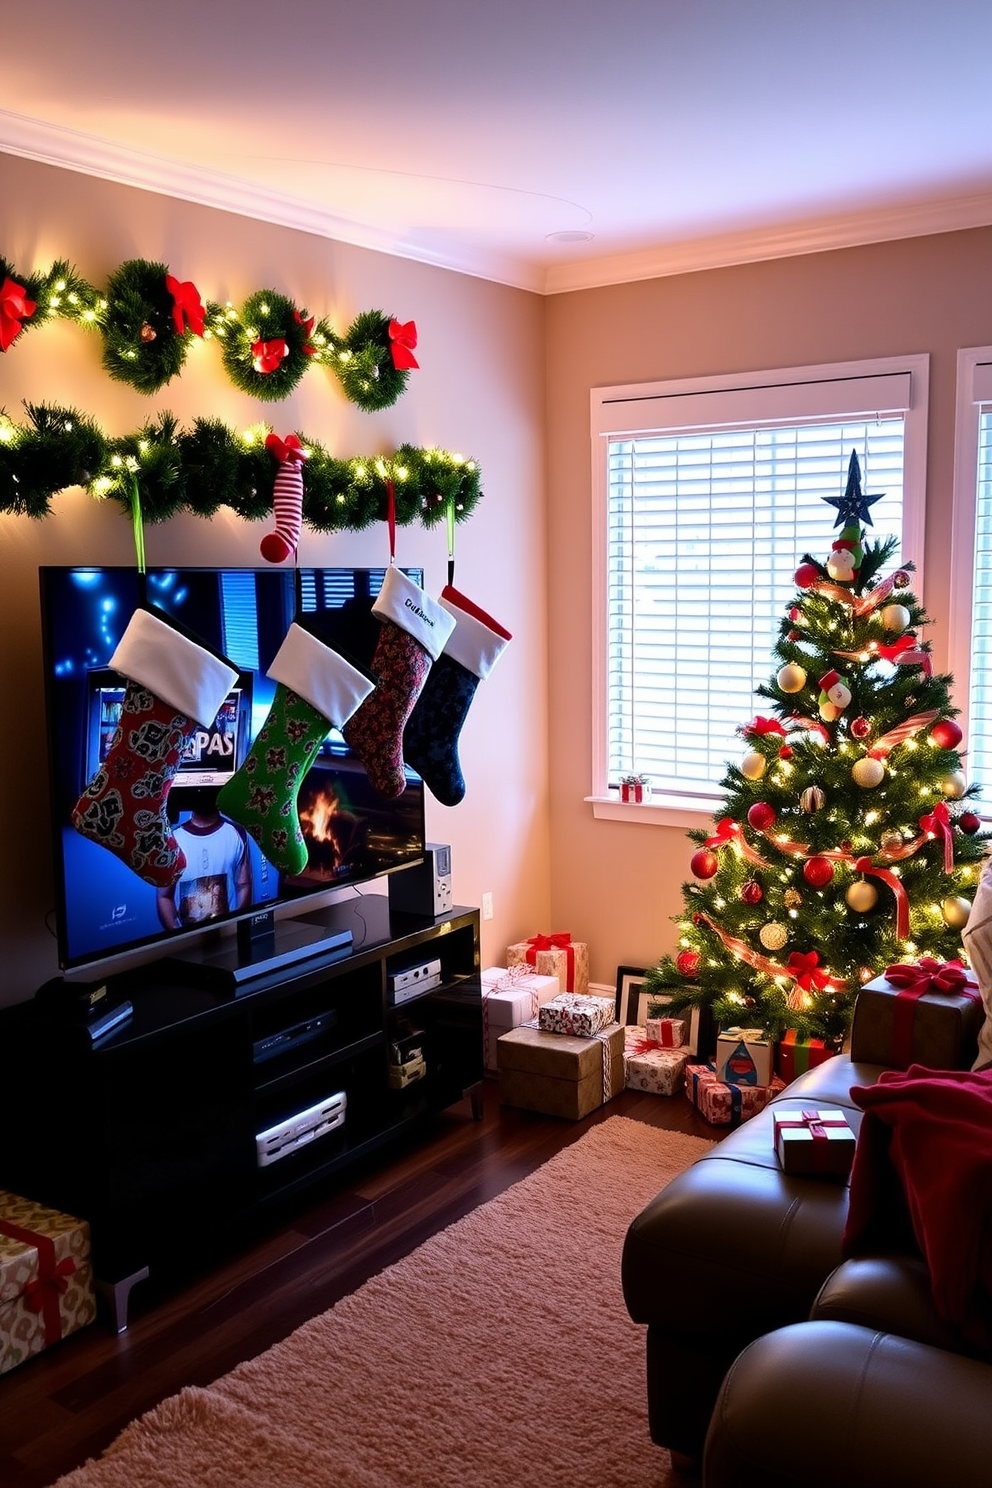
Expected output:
(67, 1404)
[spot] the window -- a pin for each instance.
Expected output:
(970, 629)
(706, 495)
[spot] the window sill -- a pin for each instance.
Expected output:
(660, 811)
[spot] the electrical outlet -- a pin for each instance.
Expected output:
(487, 906)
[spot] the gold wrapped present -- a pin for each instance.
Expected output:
(559, 1074)
(46, 1281)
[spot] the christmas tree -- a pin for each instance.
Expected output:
(845, 843)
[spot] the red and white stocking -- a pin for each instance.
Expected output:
(414, 631)
(287, 498)
(174, 685)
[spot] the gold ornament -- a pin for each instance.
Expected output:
(812, 799)
(773, 936)
(868, 772)
(862, 897)
(792, 898)
(148, 333)
(830, 712)
(956, 911)
(954, 785)
(791, 678)
(753, 765)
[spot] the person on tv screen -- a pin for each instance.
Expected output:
(217, 878)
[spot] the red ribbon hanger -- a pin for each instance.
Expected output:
(938, 824)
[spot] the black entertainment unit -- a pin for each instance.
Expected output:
(218, 1099)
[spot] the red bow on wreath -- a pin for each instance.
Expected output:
(403, 338)
(307, 325)
(268, 355)
(187, 307)
(15, 307)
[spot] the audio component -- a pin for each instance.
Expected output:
(297, 1131)
(291, 1038)
(413, 981)
(424, 888)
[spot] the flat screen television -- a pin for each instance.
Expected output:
(103, 909)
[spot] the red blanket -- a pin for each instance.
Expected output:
(923, 1170)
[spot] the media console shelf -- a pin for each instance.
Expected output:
(206, 1107)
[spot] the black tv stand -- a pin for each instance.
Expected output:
(262, 946)
(156, 1134)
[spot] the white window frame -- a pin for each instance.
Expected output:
(974, 389)
(779, 396)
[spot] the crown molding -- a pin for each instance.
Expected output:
(69, 149)
(850, 230)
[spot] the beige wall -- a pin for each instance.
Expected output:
(615, 884)
(480, 391)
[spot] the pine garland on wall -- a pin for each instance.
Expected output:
(148, 318)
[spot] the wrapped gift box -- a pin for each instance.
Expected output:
(650, 1066)
(743, 1057)
(794, 1056)
(929, 1013)
(554, 955)
(722, 1104)
(581, 1016)
(46, 1281)
(670, 1033)
(511, 996)
(558, 1074)
(813, 1141)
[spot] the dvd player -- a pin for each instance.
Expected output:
(291, 1038)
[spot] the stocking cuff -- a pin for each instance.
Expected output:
(406, 605)
(477, 641)
(328, 683)
(188, 677)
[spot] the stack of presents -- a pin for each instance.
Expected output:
(560, 1051)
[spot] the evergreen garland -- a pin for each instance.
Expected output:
(209, 466)
(140, 343)
(266, 322)
(364, 362)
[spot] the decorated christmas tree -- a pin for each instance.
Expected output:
(846, 842)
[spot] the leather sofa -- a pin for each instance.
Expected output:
(735, 1249)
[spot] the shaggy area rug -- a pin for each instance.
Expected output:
(496, 1355)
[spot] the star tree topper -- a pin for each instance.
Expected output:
(853, 505)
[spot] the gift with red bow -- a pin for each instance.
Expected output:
(925, 1012)
(557, 955)
(46, 1280)
(650, 1065)
(811, 1141)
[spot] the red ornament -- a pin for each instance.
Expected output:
(946, 734)
(785, 753)
(795, 635)
(752, 892)
(795, 614)
(687, 963)
(807, 574)
(268, 355)
(860, 728)
(704, 863)
(969, 822)
(761, 816)
(818, 872)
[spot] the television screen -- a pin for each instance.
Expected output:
(352, 834)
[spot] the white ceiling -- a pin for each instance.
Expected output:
(678, 133)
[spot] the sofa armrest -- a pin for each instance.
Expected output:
(818, 1404)
(889, 1293)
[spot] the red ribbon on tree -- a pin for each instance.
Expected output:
(895, 883)
(764, 726)
(268, 355)
(402, 339)
(804, 967)
(42, 1292)
(727, 830)
(946, 978)
(187, 307)
(907, 652)
(15, 308)
(938, 824)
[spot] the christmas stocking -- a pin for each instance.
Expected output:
(316, 688)
(173, 686)
(414, 631)
(430, 740)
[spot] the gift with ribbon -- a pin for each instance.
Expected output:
(46, 1280)
(794, 1056)
(573, 1013)
(812, 1141)
(511, 996)
(668, 1033)
(926, 1012)
(557, 955)
(651, 1066)
(726, 1105)
(558, 1074)
(744, 1056)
